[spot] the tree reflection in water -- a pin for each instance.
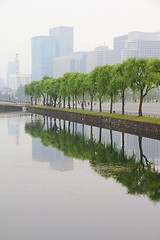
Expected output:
(139, 176)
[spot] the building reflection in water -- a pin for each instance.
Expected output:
(56, 159)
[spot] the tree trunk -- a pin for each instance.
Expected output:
(100, 105)
(140, 103)
(111, 104)
(47, 100)
(91, 103)
(123, 143)
(123, 100)
(111, 138)
(69, 127)
(140, 149)
(64, 102)
(91, 136)
(69, 105)
(100, 135)
(44, 100)
(73, 101)
(59, 101)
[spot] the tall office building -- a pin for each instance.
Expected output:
(46, 48)
(137, 45)
(43, 52)
(142, 44)
(118, 46)
(64, 40)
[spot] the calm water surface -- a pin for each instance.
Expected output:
(66, 181)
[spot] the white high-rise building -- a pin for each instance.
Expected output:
(118, 45)
(142, 44)
(64, 40)
(137, 45)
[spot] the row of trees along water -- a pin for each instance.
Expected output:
(139, 176)
(103, 82)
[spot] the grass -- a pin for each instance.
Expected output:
(105, 114)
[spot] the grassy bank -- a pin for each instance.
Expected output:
(105, 114)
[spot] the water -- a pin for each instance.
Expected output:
(67, 181)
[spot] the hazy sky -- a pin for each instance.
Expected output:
(95, 22)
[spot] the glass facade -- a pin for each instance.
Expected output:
(43, 52)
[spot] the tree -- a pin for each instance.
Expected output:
(82, 87)
(106, 73)
(120, 81)
(99, 75)
(91, 87)
(154, 69)
(140, 78)
(63, 88)
(72, 88)
(29, 90)
(37, 90)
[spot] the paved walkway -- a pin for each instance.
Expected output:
(149, 109)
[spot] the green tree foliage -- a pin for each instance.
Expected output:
(91, 87)
(139, 75)
(32, 90)
(139, 177)
(120, 81)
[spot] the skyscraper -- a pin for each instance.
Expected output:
(142, 44)
(64, 40)
(46, 48)
(43, 52)
(118, 46)
(137, 45)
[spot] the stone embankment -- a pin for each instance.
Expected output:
(133, 127)
(10, 108)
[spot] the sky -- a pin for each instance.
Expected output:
(95, 23)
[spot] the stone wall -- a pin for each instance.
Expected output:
(134, 127)
(9, 108)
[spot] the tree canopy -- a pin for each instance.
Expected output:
(109, 81)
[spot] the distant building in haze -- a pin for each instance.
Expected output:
(43, 52)
(75, 62)
(137, 45)
(118, 45)
(46, 48)
(64, 40)
(54, 55)
(14, 78)
(100, 56)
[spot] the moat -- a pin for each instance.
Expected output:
(65, 180)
